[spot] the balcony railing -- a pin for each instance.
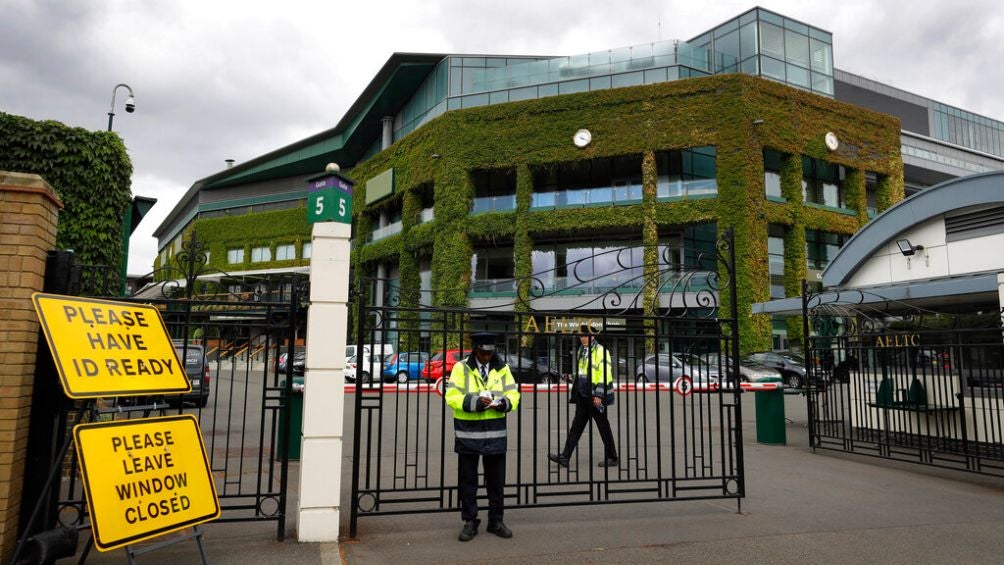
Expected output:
(386, 231)
(502, 203)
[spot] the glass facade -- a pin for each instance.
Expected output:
(494, 190)
(967, 129)
(770, 45)
(588, 183)
(759, 42)
(596, 267)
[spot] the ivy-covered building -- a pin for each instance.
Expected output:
(473, 171)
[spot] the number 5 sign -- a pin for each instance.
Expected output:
(330, 199)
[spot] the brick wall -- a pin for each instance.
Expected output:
(28, 213)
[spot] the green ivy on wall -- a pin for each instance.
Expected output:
(89, 170)
(263, 229)
(738, 114)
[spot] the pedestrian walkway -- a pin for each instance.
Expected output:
(800, 507)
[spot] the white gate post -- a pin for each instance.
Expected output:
(324, 392)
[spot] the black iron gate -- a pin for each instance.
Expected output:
(897, 381)
(676, 418)
(231, 336)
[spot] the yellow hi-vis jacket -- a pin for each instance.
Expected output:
(597, 372)
(478, 429)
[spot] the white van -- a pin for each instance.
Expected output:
(380, 349)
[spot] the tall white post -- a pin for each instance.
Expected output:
(324, 392)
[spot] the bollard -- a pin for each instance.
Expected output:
(770, 415)
(293, 436)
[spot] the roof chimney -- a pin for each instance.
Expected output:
(230, 163)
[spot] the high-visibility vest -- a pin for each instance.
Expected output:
(478, 430)
(596, 368)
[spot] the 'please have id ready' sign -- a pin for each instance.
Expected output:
(105, 348)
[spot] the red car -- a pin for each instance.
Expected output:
(434, 368)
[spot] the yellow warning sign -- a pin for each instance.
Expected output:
(144, 478)
(104, 348)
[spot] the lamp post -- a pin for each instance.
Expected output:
(130, 105)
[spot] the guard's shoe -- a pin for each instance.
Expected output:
(610, 462)
(470, 530)
(499, 529)
(558, 458)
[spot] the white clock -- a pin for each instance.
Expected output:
(582, 138)
(831, 141)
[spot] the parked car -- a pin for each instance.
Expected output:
(442, 363)
(370, 364)
(197, 371)
(790, 365)
(299, 362)
(404, 367)
(701, 364)
(381, 349)
(526, 371)
(666, 368)
(749, 371)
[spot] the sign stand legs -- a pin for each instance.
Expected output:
(196, 533)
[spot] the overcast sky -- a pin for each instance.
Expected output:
(218, 80)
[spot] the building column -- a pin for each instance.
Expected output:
(29, 207)
(324, 392)
(388, 132)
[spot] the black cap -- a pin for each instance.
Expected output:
(485, 341)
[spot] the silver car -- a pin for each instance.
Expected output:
(749, 371)
(666, 368)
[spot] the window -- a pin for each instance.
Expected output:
(307, 248)
(235, 256)
(821, 248)
(492, 270)
(772, 173)
(261, 254)
(285, 252)
(775, 259)
(588, 183)
(822, 182)
(687, 173)
(494, 190)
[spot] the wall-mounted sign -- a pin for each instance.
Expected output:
(898, 340)
(571, 325)
(380, 186)
(105, 348)
(144, 478)
(329, 199)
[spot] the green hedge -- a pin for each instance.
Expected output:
(89, 170)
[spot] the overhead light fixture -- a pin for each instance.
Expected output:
(907, 248)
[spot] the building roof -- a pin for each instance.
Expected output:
(951, 195)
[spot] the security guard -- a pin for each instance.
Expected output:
(481, 391)
(592, 393)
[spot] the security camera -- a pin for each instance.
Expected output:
(131, 105)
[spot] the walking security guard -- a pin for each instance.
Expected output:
(592, 392)
(481, 391)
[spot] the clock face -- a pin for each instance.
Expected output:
(831, 141)
(582, 138)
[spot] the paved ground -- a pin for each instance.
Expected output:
(800, 507)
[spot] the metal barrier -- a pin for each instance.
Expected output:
(676, 418)
(907, 384)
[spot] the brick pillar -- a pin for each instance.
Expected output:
(28, 212)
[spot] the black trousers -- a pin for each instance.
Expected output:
(584, 410)
(494, 483)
